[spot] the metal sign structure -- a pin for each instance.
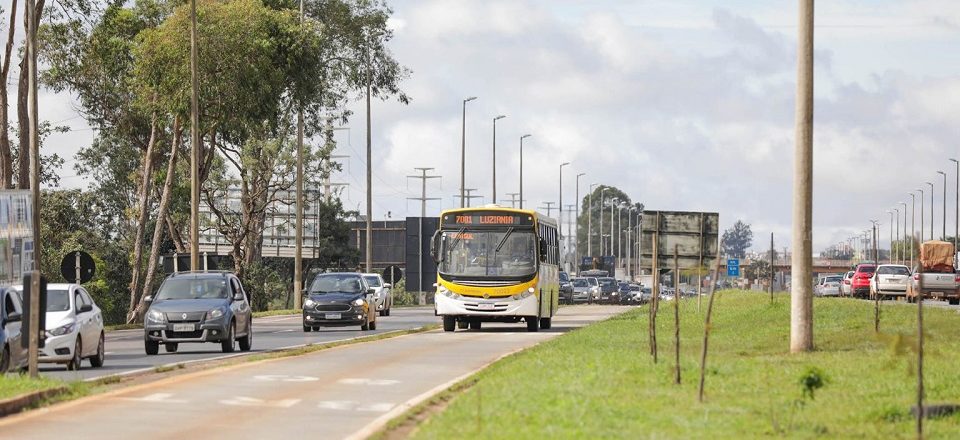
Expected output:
(694, 235)
(78, 267)
(16, 236)
(733, 267)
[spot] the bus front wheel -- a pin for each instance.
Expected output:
(533, 324)
(449, 323)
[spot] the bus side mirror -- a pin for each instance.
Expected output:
(435, 246)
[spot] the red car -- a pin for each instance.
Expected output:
(860, 284)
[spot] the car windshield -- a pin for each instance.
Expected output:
(475, 253)
(564, 277)
(193, 288)
(893, 270)
(58, 301)
(866, 269)
(345, 283)
(580, 282)
(835, 279)
(372, 280)
(607, 282)
(593, 281)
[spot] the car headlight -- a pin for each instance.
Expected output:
(215, 313)
(64, 329)
(309, 303)
(156, 316)
(358, 302)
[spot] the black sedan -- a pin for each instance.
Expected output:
(339, 299)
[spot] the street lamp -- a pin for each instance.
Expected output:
(463, 152)
(560, 211)
(931, 209)
(600, 228)
(521, 168)
(590, 221)
(576, 229)
(903, 249)
(913, 222)
(890, 257)
(494, 195)
(956, 218)
(921, 214)
(613, 202)
(944, 235)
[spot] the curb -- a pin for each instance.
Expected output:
(19, 403)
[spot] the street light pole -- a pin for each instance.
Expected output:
(921, 214)
(913, 223)
(463, 152)
(613, 203)
(521, 168)
(590, 221)
(956, 218)
(931, 209)
(600, 227)
(493, 195)
(890, 257)
(576, 228)
(560, 214)
(194, 145)
(944, 235)
(903, 249)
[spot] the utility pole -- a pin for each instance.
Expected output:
(931, 209)
(902, 250)
(369, 240)
(521, 168)
(298, 245)
(463, 151)
(570, 235)
(33, 331)
(921, 214)
(943, 236)
(801, 300)
(890, 257)
(913, 224)
(195, 146)
(600, 226)
(772, 262)
(956, 219)
(590, 221)
(560, 208)
(613, 203)
(513, 199)
(423, 213)
(493, 194)
(548, 207)
(576, 228)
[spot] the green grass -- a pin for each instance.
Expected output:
(13, 385)
(600, 381)
(266, 313)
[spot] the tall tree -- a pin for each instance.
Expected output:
(737, 239)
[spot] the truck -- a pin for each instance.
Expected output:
(936, 276)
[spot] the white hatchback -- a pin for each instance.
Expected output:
(890, 280)
(74, 327)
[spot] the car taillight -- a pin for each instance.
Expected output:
(846, 281)
(916, 276)
(957, 279)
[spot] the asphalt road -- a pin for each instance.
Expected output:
(342, 392)
(125, 355)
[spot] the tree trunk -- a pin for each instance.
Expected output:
(175, 235)
(23, 179)
(134, 312)
(6, 158)
(144, 207)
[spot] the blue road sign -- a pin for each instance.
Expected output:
(733, 267)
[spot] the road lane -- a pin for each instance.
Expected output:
(124, 348)
(330, 394)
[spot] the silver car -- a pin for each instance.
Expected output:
(582, 290)
(889, 280)
(383, 295)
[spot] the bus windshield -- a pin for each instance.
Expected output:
(477, 253)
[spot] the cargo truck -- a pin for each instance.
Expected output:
(936, 276)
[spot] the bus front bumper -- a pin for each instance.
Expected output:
(469, 306)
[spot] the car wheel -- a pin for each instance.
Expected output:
(307, 328)
(381, 313)
(388, 309)
(97, 360)
(475, 324)
(5, 360)
(316, 329)
(246, 342)
(463, 325)
(365, 326)
(373, 325)
(229, 344)
(171, 347)
(449, 323)
(151, 347)
(74, 363)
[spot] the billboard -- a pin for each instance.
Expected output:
(693, 235)
(16, 235)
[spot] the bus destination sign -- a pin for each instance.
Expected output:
(488, 219)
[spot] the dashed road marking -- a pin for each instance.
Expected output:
(365, 381)
(285, 378)
(252, 401)
(348, 405)
(155, 398)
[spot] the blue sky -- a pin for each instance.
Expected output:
(685, 105)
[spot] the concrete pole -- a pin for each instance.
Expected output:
(913, 224)
(922, 210)
(613, 203)
(801, 303)
(463, 151)
(956, 218)
(298, 245)
(890, 257)
(33, 332)
(194, 145)
(590, 221)
(943, 235)
(600, 227)
(931, 209)
(369, 241)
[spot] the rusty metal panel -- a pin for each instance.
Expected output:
(695, 235)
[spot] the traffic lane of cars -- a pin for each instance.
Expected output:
(331, 393)
(125, 354)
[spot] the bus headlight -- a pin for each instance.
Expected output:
(525, 294)
(446, 292)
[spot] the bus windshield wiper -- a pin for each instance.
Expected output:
(456, 239)
(503, 240)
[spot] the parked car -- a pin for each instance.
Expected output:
(566, 288)
(830, 286)
(582, 290)
(383, 295)
(193, 307)
(339, 299)
(609, 290)
(860, 283)
(889, 280)
(12, 355)
(845, 288)
(74, 328)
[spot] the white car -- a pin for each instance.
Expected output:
(383, 295)
(889, 280)
(846, 288)
(74, 327)
(830, 286)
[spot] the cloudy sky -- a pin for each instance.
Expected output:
(685, 105)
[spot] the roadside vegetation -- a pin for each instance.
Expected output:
(13, 385)
(601, 382)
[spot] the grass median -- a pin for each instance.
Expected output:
(600, 381)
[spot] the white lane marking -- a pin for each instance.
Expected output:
(107, 352)
(284, 331)
(252, 401)
(347, 405)
(155, 398)
(285, 378)
(364, 381)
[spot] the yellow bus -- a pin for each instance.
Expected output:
(496, 264)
